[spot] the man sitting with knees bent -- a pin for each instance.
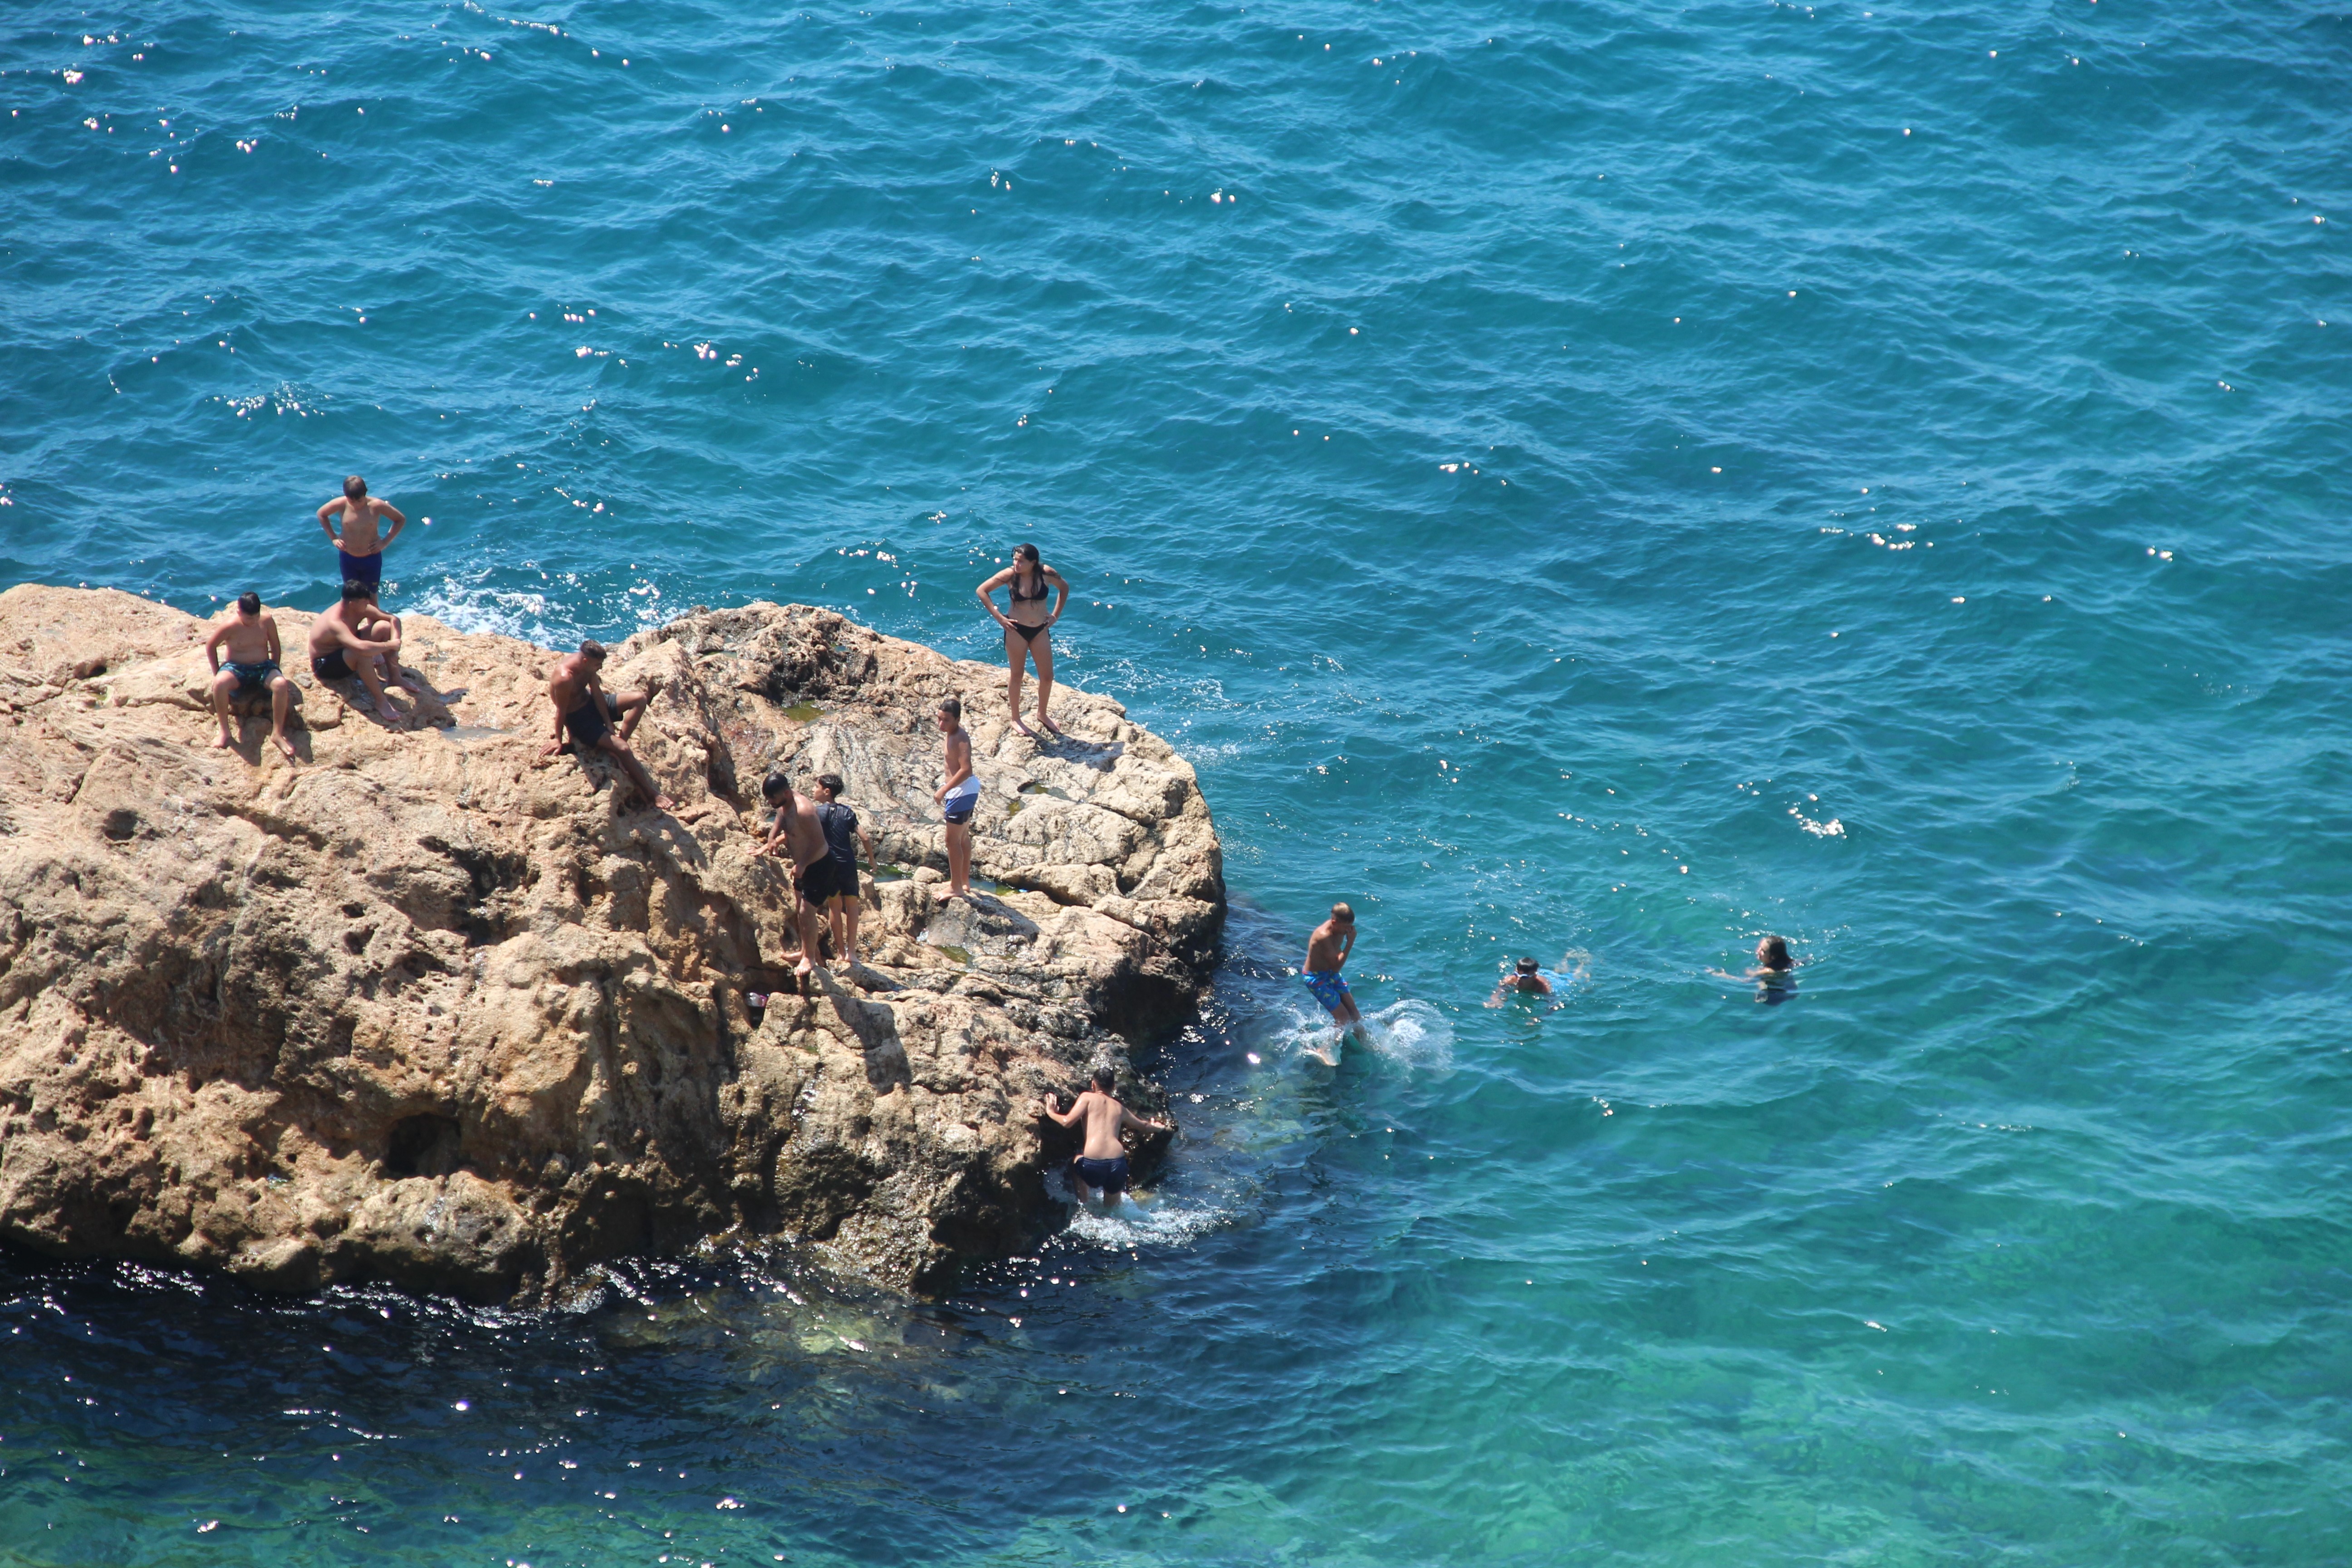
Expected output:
(250, 641)
(584, 708)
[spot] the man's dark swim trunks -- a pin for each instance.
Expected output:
(1106, 1176)
(254, 677)
(827, 878)
(368, 569)
(592, 719)
(330, 667)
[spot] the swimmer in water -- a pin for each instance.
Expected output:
(1100, 1168)
(1525, 979)
(1775, 973)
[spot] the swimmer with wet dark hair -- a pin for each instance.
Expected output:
(1775, 973)
(1524, 978)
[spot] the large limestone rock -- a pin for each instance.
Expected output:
(431, 1009)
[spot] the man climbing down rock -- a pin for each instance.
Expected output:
(1100, 1169)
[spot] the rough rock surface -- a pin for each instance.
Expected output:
(429, 1008)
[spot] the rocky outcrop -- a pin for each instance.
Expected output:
(430, 1008)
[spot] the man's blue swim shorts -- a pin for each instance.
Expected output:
(1330, 989)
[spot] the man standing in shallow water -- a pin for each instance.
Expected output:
(1327, 947)
(1100, 1169)
(358, 548)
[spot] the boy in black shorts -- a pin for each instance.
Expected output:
(842, 837)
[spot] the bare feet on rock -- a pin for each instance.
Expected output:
(1049, 723)
(386, 711)
(224, 743)
(286, 748)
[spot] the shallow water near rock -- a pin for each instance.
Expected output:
(1582, 482)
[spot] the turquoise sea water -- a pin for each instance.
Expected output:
(1577, 479)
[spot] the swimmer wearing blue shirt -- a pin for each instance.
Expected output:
(1100, 1169)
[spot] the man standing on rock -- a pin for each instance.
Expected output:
(1100, 1169)
(957, 799)
(252, 666)
(584, 708)
(800, 834)
(842, 836)
(358, 548)
(356, 639)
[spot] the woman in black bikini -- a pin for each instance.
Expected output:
(1026, 633)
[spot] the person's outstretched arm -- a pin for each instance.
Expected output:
(1129, 1119)
(1046, 1107)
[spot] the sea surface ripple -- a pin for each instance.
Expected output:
(1582, 479)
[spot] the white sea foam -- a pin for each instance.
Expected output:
(1159, 1221)
(1410, 1033)
(554, 616)
(1413, 1034)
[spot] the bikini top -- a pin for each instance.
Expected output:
(1044, 589)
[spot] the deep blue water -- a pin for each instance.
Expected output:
(1583, 480)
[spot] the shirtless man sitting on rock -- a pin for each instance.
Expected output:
(250, 640)
(799, 831)
(357, 638)
(584, 708)
(1100, 1169)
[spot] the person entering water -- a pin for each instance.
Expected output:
(1100, 1168)
(1026, 633)
(1327, 947)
